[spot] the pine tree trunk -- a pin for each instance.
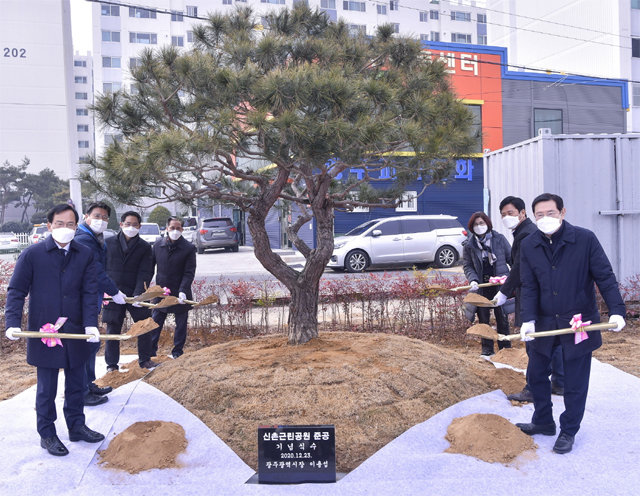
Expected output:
(303, 314)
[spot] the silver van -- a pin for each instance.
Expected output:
(403, 240)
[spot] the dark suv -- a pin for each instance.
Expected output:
(218, 232)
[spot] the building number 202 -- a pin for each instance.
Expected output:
(18, 53)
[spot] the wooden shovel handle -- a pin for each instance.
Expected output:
(64, 335)
(557, 332)
(132, 300)
(483, 285)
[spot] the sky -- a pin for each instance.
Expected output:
(81, 26)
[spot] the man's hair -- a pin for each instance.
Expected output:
(513, 200)
(58, 209)
(173, 217)
(484, 217)
(131, 213)
(548, 197)
(99, 205)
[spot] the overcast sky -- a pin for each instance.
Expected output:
(81, 25)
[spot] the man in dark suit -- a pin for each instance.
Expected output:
(129, 265)
(559, 265)
(514, 217)
(59, 276)
(175, 261)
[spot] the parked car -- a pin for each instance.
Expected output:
(150, 232)
(189, 233)
(38, 233)
(218, 232)
(9, 242)
(403, 240)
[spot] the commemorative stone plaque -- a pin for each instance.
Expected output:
(293, 454)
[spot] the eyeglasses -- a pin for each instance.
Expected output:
(57, 224)
(548, 213)
(98, 216)
(129, 224)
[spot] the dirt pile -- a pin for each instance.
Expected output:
(145, 446)
(507, 380)
(515, 357)
(488, 437)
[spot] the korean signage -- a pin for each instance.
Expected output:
(291, 454)
(463, 63)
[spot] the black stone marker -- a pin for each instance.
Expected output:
(293, 454)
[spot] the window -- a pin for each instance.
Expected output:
(482, 18)
(635, 47)
(635, 4)
(80, 63)
(636, 95)
(111, 62)
(482, 39)
(396, 27)
(435, 36)
(110, 10)
(177, 16)
(475, 130)
(80, 79)
(393, 5)
(357, 29)
(192, 11)
(409, 203)
(142, 13)
(434, 1)
(424, 37)
(411, 226)
(460, 38)
(82, 111)
(190, 36)
(144, 38)
(112, 138)
(82, 96)
(226, 2)
(328, 4)
(83, 144)
(434, 14)
(460, 16)
(82, 128)
(177, 41)
(549, 118)
(389, 228)
(355, 6)
(276, 2)
(134, 62)
(382, 9)
(113, 36)
(111, 87)
(354, 196)
(424, 16)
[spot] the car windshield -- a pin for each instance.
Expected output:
(361, 228)
(216, 223)
(149, 229)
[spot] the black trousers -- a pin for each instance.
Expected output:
(502, 320)
(46, 390)
(90, 367)
(179, 336)
(112, 348)
(576, 387)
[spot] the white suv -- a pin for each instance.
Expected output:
(404, 240)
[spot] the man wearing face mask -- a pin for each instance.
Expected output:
(59, 276)
(514, 217)
(559, 265)
(175, 261)
(129, 265)
(89, 234)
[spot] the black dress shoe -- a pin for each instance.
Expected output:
(54, 446)
(531, 429)
(93, 399)
(148, 364)
(83, 433)
(524, 396)
(112, 368)
(564, 443)
(95, 389)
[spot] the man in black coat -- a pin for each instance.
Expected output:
(59, 276)
(129, 265)
(559, 265)
(175, 261)
(514, 217)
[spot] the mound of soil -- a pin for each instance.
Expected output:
(489, 437)
(516, 357)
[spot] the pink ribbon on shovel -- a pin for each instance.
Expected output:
(498, 279)
(105, 302)
(576, 324)
(167, 291)
(53, 328)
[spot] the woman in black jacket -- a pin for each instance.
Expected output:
(486, 254)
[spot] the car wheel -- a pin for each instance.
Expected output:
(235, 248)
(446, 256)
(200, 250)
(356, 261)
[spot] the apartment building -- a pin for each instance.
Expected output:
(82, 100)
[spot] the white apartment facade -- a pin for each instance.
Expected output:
(586, 37)
(82, 101)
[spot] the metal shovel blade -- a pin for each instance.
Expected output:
(141, 327)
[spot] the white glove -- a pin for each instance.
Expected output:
(499, 299)
(474, 286)
(94, 334)
(119, 298)
(181, 297)
(614, 319)
(9, 333)
(527, 328)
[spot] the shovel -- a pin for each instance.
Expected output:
(483, 285)
(478, 300)
(151, 293)
(207, 301)
(65, 335)
(557, 332)
(141, 327)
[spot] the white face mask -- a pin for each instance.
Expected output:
(130, 231)
(480, 230)
(174, 235)
(98, 225)
(510, 221)
(548, 225)
(63, 235)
